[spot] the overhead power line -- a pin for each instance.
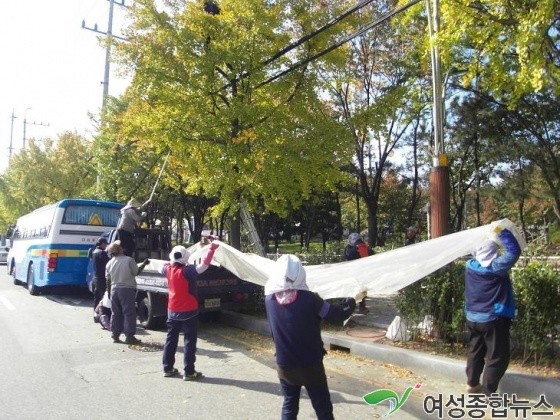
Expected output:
(350, 37)
(316, 32)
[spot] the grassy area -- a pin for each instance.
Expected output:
(295, 248)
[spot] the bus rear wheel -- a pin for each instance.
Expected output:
(12, 272)
(31, 288)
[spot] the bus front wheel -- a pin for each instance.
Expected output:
(31, 288)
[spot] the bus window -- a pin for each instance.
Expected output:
(90, 215)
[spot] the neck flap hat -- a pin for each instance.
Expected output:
(354, 239)
(286, 274)
(486, 253)
(179, 254)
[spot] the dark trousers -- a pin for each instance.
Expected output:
(99, 287)
(318, 394)
(189, 328)
(489, 352)
(123, 306)
(127, 242)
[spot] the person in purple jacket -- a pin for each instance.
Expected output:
(489, 307)
(294, 315)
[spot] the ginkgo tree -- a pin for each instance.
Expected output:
(509, 48)
(46, 171)
(204, 88)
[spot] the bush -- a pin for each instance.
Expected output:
(537, 292)
(440, 296)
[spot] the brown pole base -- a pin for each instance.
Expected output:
(439, 201)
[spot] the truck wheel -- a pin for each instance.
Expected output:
(31, 288)
(146, 315)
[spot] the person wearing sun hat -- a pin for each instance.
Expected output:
(182, 309)
(131, 214)
(120, 272)
(489, 308)
(294, 315)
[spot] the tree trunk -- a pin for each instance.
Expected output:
(235, 231)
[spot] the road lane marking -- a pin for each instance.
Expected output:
(7, 303)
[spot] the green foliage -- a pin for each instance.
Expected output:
(507, 47)
(200, 89)
(45, 172)
(439, 296)
(537, 292)
(316, 255)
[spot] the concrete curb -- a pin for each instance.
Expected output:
(520, 384)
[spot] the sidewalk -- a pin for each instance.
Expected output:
(363, 340)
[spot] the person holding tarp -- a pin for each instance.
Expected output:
(183, 310)
(490, 307)
(294, 315)
(131, 214)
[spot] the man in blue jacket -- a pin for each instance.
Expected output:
(489, 307)
(99, 258)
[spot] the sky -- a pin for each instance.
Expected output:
(51, 68)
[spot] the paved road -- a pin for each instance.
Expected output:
(57, 364)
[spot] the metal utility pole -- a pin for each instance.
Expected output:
(439, 174)
(106, 74)
(108, 53)
(11, 148)
(26, 123)
(110, 35)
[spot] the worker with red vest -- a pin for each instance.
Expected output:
(182, 309)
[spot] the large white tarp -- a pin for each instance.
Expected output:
(379, 274)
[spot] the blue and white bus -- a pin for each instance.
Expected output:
(49, 246)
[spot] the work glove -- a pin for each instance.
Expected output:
(208, 258)
(349, 305)
(142, 265)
